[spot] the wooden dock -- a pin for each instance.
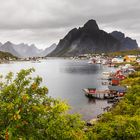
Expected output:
(98, 91)
(99, 94)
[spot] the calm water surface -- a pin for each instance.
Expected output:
(65, 79)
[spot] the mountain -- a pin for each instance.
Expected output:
(87, 39)
(25, 50)
(48, 50)
(9, 47)
(6, 55)
(1, 44)
(126, 42)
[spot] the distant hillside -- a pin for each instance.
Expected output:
(25, 50)
(88, 39)
(123, 53)
(9, 47)
(5, 55)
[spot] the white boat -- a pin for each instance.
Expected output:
(92, 61)
(35, 61)
(98, 62)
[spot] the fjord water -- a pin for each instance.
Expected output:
(65, 79)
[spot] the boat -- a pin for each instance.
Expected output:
(99, 61)
(35, 61)
(92, 61)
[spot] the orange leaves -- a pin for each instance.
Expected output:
(25, 97)
(16, 117)
(6, 135)
(34, 86)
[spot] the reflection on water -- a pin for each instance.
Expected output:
(91, 101)
(65, 79)
(80, 68)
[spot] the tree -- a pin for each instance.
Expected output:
(26, 112)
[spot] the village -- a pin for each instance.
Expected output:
(124, 66)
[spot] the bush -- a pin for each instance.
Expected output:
(26, 112)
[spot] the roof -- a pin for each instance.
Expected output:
(118, 88)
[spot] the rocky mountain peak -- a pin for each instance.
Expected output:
(8, 43)
(25, 50)
(91, 25)
(118, 35)
(127, 43)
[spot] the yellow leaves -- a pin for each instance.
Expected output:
(77, 135)
(60, 107)
(17, 117)
(10, 106)
(35, 108)
(40, 109)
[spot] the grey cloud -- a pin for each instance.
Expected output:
(45, 21)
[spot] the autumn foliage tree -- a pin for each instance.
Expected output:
(26, 112)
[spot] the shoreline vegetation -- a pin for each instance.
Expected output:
(5, 57)
(123, 120)
(27, 113)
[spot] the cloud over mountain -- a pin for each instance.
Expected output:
(44, 22)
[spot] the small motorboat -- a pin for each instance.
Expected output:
(109, 97)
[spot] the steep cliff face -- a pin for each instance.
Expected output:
(48, 50)
(87, 39)
(91, 39)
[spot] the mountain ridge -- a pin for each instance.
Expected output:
(126, 42)
(8, 47)
(87, 39)
(25, 50)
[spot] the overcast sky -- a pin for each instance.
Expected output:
(44, 22)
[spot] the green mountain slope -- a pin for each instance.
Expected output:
(6, 55)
